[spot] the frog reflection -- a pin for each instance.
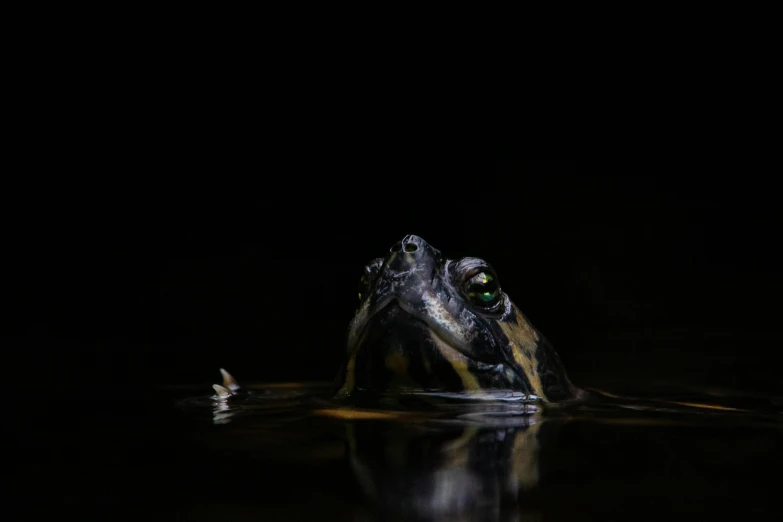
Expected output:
(426, 472)
(455, 460)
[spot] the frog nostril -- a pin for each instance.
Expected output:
(396, 247)
(411, 243)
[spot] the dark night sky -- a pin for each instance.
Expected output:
(174, 243)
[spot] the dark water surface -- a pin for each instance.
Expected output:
(286, 452)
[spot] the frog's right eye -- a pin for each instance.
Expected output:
(482, 289)
(369, 275)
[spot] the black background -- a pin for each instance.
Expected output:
(170, 207)
(177, 211)
(167, 241)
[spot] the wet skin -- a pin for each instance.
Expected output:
(426, 322)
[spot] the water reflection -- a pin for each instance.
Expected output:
(428, 472)
(222, 412)
(460, 461)
(495, 460)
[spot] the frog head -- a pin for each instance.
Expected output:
(427, 322)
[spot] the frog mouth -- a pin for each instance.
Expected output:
(398, 349)
(433, 321)
(394, 315)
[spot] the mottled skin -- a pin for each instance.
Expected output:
(419, 328)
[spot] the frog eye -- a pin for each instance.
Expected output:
(369, 275)
(482, 289)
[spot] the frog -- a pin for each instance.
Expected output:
(428, 323)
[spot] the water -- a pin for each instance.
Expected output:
(286, 452)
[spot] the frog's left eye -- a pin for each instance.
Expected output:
(483, 290)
